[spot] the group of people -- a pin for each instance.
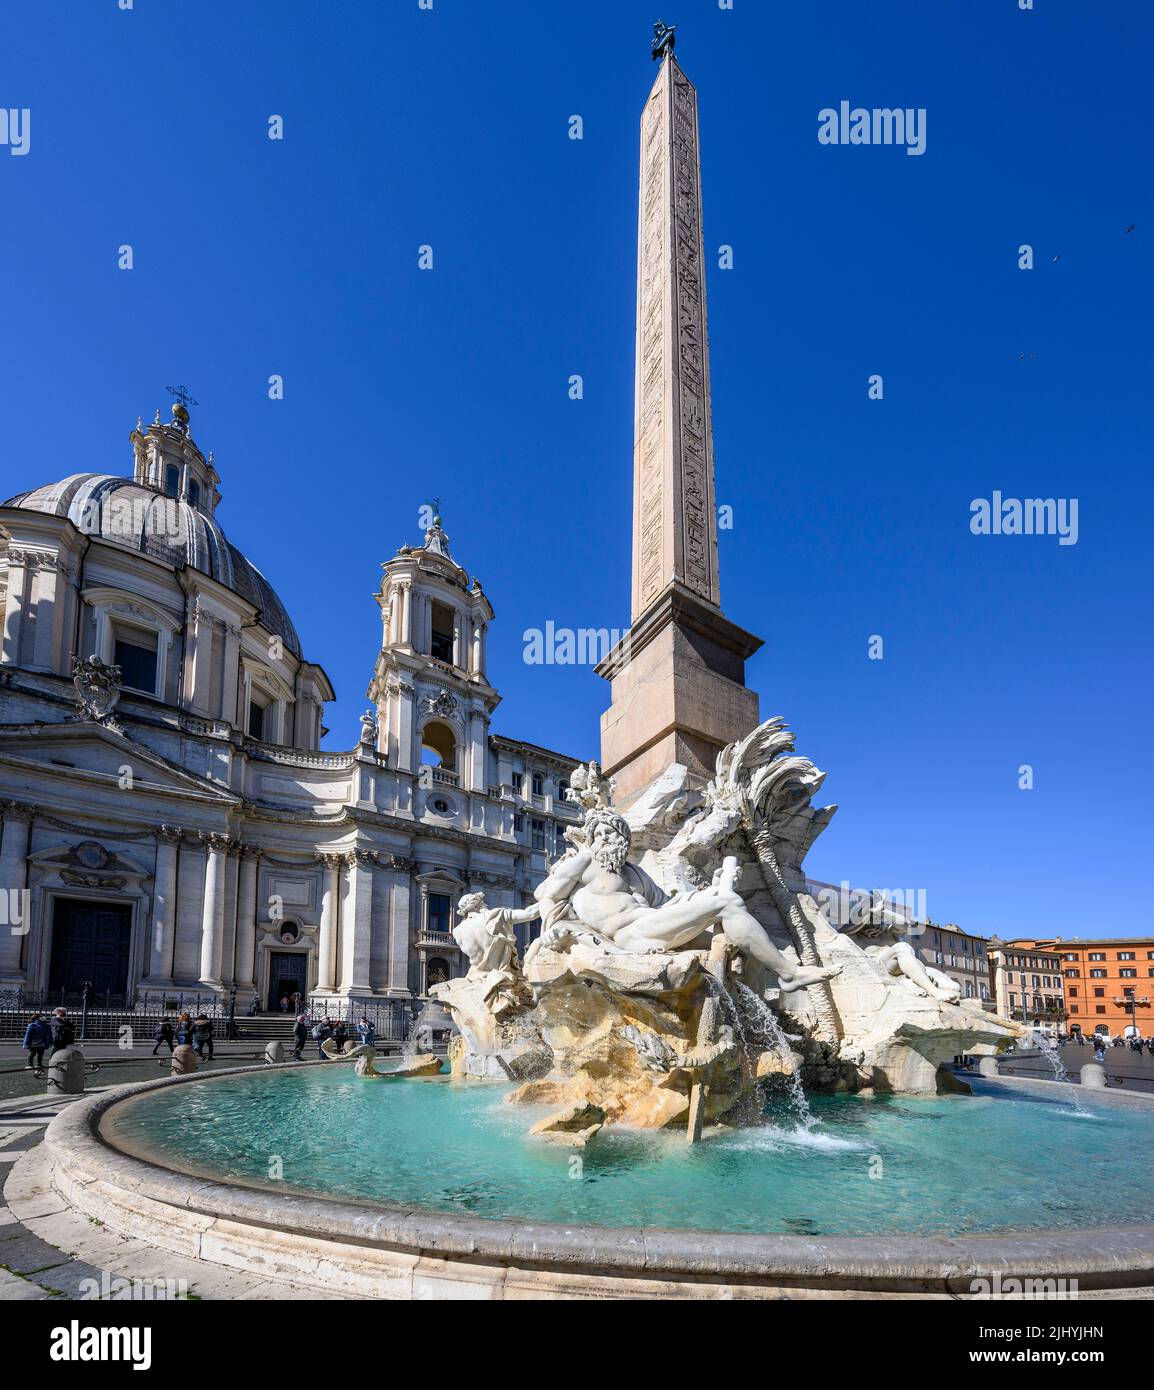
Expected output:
(44, 1031)
(51, 1032)
(1099, 1042)
(290, 1002)
(186, 1032)
(326, 1028)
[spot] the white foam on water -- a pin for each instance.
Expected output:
(774, 1140)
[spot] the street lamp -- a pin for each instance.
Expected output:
(1128, 995)
(84, 988)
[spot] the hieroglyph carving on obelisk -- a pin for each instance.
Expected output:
(674, 512)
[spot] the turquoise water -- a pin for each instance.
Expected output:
(953, 1164)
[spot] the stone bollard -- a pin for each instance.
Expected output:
(274, 1052)
(988, 1066)
(66, 1072)
(1093, 1075)
(183, 1060)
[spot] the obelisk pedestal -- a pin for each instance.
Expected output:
(678, 678)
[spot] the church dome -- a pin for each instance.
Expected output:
(123, 512)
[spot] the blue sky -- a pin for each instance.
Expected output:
(449, 127)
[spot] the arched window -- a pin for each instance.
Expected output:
(439, 747)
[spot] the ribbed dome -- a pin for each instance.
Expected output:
(195, 540)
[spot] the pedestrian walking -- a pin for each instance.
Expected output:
(322, 1031)
(300, 1037)
(163, 1034)
(202, 1037)
(37, 1036)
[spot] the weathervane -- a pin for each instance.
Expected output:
(182, 395)
(664, 39)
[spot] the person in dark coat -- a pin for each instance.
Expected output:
(323, 1030)
(202, 1037)
(63, 1030)
(37, 1036)
(340, 1035)
(163, 1034)
(300, 1037)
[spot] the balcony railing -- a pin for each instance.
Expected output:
(441, 940)
(446, 778)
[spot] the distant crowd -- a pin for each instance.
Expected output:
(51, 1032)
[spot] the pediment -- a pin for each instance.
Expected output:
(91, 752)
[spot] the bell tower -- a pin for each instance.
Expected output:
(430, 688)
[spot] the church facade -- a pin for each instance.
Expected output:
(170, 822)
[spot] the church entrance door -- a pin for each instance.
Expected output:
(288, 974)
(90, 941)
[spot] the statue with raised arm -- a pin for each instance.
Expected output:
(595, 895)
(486, 937)
(485, 934)
(664, 39)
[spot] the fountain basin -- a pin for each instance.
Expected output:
(108, 1161)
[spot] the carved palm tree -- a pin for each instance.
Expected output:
(771, 793)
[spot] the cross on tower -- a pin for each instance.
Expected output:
(182, 395)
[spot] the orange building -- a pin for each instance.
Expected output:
(1109, 984)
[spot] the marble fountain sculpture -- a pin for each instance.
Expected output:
(681, 963)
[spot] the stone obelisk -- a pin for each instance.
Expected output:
(678, 678)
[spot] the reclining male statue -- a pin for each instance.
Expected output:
(595, 894)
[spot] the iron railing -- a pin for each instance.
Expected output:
(104, 1017)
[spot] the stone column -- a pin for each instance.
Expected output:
(406, 615)
(246, 918)
(400, 893)
(357, 928)
(405, 731)
(14, 879)
(212, 921)
(48, 612)
(163, 935)
(230, 710)
(330, 907)
(16, 604)
(476, 768)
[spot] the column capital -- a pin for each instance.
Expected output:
(18, 810)
(250, 851)
(212, 841)
(331, 861)
(170, 834)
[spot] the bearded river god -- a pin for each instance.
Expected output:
(594, 893)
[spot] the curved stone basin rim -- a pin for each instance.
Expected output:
(1121, 1256)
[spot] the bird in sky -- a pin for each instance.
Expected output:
(1130, 228)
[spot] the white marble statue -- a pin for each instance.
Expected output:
(899, 959)
(368, 729)
(485, 935)
(595, 894)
